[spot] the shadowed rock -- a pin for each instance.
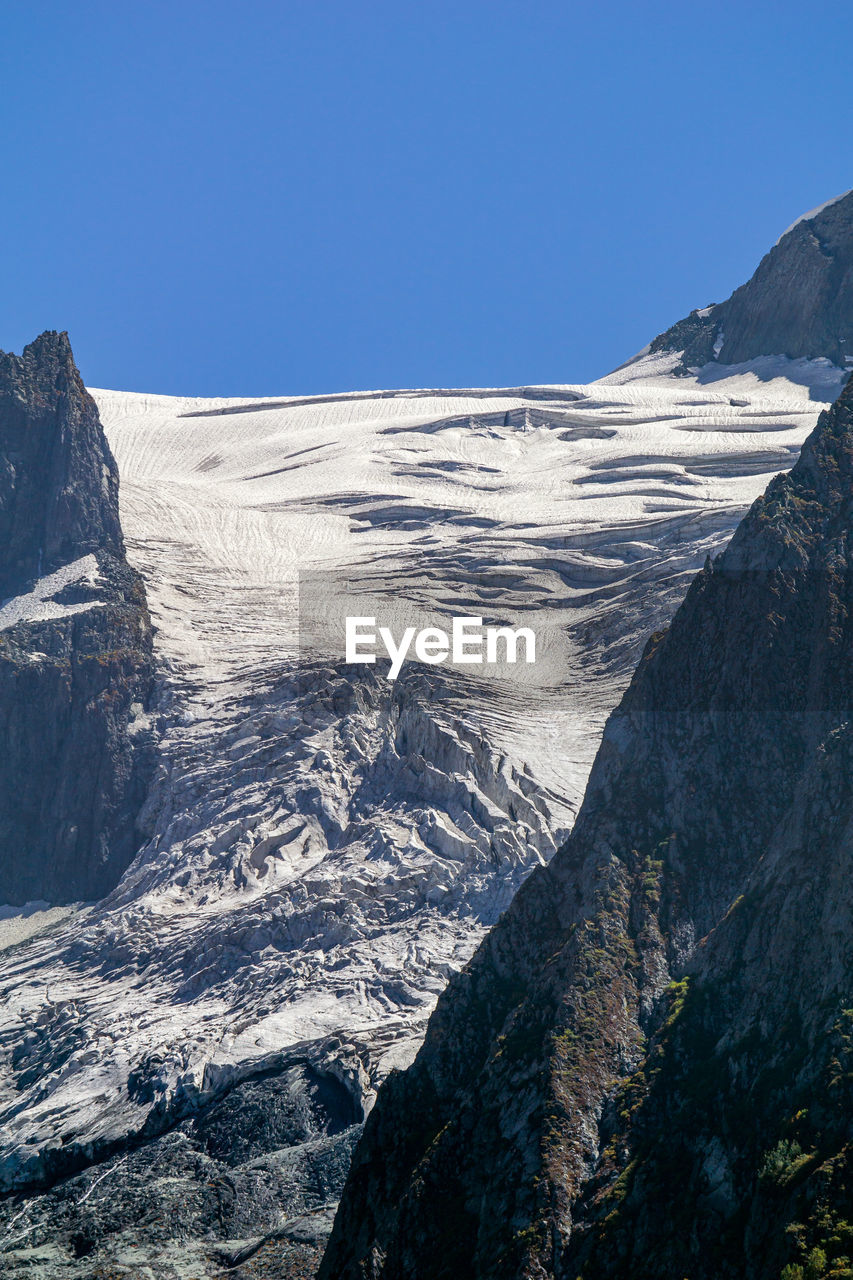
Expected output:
(798, 303)
(58, 478)
(75, 641)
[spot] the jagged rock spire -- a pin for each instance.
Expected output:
(58, 478)
(72, 777)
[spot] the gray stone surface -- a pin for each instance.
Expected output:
(76, 663)
(799, 302)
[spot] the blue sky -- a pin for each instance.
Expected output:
(272, 198)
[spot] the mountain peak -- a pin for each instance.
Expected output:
(799, 302)
(58, 478)
(813, 213)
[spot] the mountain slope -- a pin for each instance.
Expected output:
(798, 303)
(185, 1064)
(327, 848)
(76, 663)
(571, 1111)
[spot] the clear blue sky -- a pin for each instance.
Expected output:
(319, 195)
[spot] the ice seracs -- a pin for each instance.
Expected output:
(325, 847)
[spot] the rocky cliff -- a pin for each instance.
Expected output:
(58, 478)
(798, 303)
(76, 660)
(646, 1070)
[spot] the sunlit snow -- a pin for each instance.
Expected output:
(323, 848)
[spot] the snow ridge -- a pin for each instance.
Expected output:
(813, 213)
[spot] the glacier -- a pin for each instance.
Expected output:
(324, 847)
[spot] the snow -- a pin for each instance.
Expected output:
(324, 847)
(813, 213)
(19, 923)
(38, 604)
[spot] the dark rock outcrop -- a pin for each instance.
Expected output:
(798, 303)
(76, 663)
(646, 1071)
(251, 1177)
(58, 478)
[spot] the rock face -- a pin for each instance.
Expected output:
(58, 479)
(274, 1145)
(798, 303)
(647, 1068)
(76, 660)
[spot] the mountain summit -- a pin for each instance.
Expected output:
(58, 478)
(799, 302)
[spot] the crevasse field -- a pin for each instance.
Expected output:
(324, 847)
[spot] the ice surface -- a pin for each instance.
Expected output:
(19, 923)
(325, 848)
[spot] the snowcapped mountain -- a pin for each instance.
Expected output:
(324, 847)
